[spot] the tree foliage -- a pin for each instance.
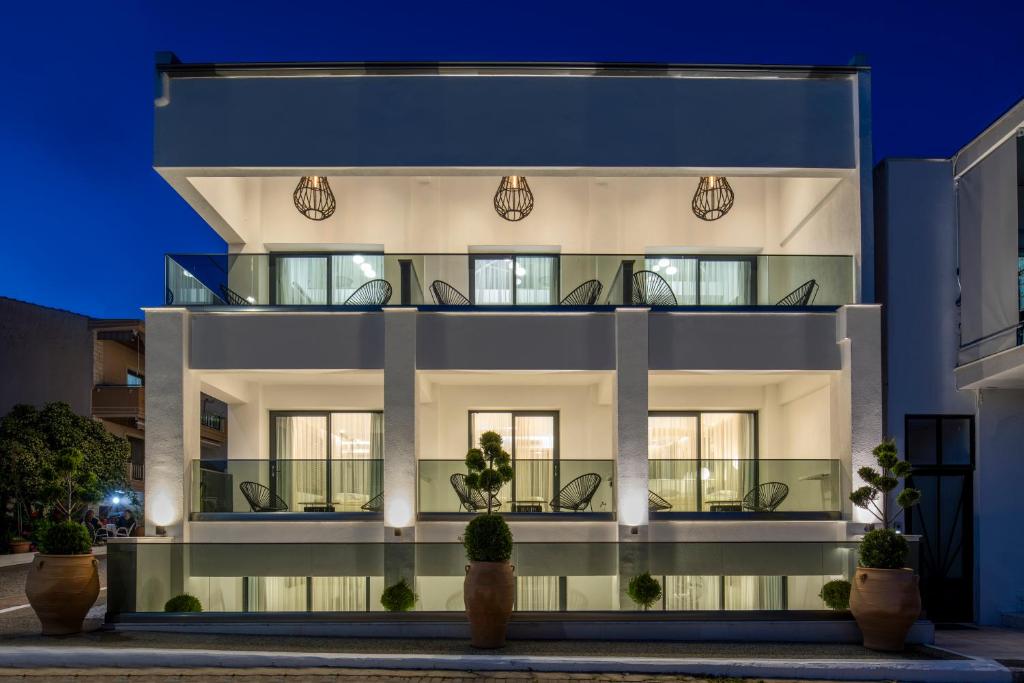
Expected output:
(880, 482)
(490, 467)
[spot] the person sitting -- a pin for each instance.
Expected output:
(127, 522)
(91, 521)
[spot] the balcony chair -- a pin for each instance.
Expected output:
(470, 499)
(656, 503)
(375, 504)
(124, 531)
(650, 289)
(261, 498)
(584, 295)
(801, 296)
(577, 494)
(372, 293)
(231, 297)
(170, 297)
(446, 295)
(766, 497)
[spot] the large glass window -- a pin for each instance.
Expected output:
(531, 438)
(322, 279)
(707, 280)
(514, 279)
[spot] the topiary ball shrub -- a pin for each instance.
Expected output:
(883, 549)
(64, 538)
(644, 590)
(398, 597)
(836, 594)
(183, 603)
(488, 539)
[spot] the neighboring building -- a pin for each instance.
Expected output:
(711, 438)
(950, 248)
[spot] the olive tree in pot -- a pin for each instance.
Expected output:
(63, 582)
(489, 588)
(884, 597)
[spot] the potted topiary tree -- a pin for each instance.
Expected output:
(644, 590)
(836, 595)
(185, 602)
(63, 582)
(398, 597)
(884, 597)
(489, 588)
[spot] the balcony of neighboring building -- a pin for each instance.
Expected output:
(119, 367)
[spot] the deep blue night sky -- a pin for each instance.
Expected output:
(86, 220)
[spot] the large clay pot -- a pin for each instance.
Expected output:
(489, 591)
(61, 589)
(885, 603)
(22, 546)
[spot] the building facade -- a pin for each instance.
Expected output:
(686, 372)
(950, 278)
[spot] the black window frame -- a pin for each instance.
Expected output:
(739, 258)
(328, 286)
(555, 451)
(473, 258)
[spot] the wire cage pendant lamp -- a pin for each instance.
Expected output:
(313, 197)
(513, 200)
(713, 199)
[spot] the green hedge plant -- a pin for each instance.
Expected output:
(644, 590)
(883, 549)
(488, 539)
(398, 597)
(64, 538)
(836, 594)
(183, 603)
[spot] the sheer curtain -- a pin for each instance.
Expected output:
(535, 280)
(687, 593)
(492, 281)
(357, 445)
(725, 283)
(301, 280)
(276, 593)
(502, 424)
(185, 288)
(534, 457)
(349, 272)
(339, 594)
(672, 456)
(727, 451)
(680, 274)
(301, 450)
(536, 593)
(755, 593)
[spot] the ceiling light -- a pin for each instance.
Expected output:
(671, 270)
(313, 197)
(513, 200)
(520, 271)
(713, 198)
(663, 263)
(358, 259)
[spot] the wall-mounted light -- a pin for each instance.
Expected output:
(513, 200)
(313, 197)
(713, 199)
(397, 513)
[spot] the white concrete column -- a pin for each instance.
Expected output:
(172, 421)
(631, 471)
(859, 335)
(399, 422)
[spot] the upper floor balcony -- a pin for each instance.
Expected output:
(327, 279)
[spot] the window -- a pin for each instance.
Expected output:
(322, 279)
(531, 438)
(134, 379)
(933, 440)
(707, 280)
(514, 279)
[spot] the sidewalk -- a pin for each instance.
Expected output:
(14, 560)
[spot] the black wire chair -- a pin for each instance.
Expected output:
(470, 499)
(446, 295)
(766, 497)
(170, 297)
(584, 295)
(231, 297)
(650, 289)
(261, 498)
(801, 296)
(577, 494)
(372, 293)
(375, 504)
(656, 503)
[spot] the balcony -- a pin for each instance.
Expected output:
(360, 280)
(116, 402)
(280, 489)
(213, 428)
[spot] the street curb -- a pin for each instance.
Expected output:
(932, 671)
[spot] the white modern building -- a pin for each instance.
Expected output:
(656, 282)
(950, 249)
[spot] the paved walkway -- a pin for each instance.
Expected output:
(1002, 644)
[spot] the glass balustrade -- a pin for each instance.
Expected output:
(507, 279)
(760, 485)
(278, 486)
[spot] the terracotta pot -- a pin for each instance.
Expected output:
(61, 589)
(489, 591)
(885, 603)
(20, 546)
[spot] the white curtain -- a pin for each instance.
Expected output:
(339, 594)
(535, 280)
(727, 451)
(301, 280)
(349, 272)
(672, 454)
(357, 446)
(534, 457)
(687, 593)
(754, 593)
(492, 281)
(725, 283)
(277, 593)
(680, 274)
(301, 460)
(502, 424)
(537, 593)
(185, 288)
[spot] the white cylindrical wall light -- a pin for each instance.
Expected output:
(397, 512)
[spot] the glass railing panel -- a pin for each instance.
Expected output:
(764, 485)
(533, 489)
(240, 486)
(779, 275)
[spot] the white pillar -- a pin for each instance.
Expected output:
(859, 335)
(631, 472)
(172, 421)
(399, 422)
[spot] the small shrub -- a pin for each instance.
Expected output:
(488, 539)
(644, 590)
(836, 594)
(183, 603)
(398, 597)
(64, 538)
(883, 549)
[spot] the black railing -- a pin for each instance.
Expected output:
(212, 421)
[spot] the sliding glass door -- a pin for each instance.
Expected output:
(702, 461)
(531, 438)
(513, 279)
(708, 280)
(321, 279)
(326, 461)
